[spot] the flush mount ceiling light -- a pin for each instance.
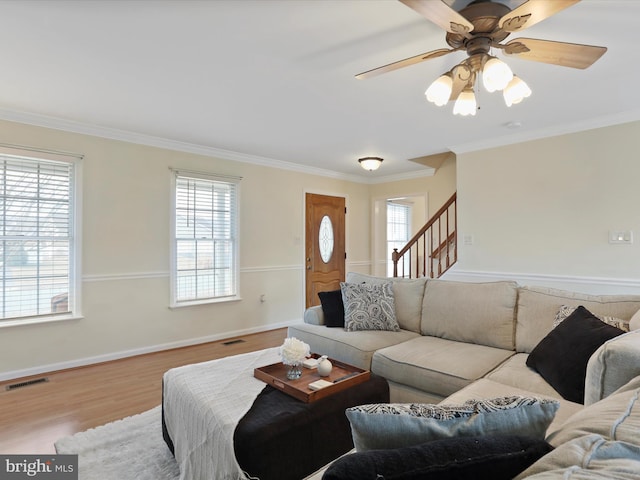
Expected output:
(478, 29)
(370, 163)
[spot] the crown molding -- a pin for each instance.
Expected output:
(165, 143)
(547, 132)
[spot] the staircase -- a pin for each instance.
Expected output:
(431, 251)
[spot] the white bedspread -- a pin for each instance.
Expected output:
(203, 403)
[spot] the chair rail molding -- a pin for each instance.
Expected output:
(583, 284)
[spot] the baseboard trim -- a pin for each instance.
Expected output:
(82, 362)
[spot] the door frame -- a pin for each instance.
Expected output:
(329, 193)
(379, 228)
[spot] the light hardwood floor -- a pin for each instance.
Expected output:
(33, 417)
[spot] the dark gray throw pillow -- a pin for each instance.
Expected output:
(332, 308)
(495, 457)
(561, 357)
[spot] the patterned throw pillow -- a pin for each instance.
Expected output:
(369, 306)
(380, 426)
(566, 310)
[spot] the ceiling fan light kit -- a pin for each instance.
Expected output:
(440, 90)
(466, 103)
(370, 163)
(516, 91)
(480, 27)
(496, 74)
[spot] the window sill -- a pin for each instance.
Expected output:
(37, 320)
(208, 301)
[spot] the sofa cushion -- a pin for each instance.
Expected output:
(485, 388)
(538, 306)
(614, 364)
(481, 313)
(515, 372)
(616, 417)
(434, 364)
(561, 357)
(395, 425)
(355, 348)
(332, 308)
(587, 458)
(499, 457)
(369, 307)
(408, 295)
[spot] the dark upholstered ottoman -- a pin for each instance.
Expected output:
(282, 438)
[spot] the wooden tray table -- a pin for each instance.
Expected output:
(276, 376)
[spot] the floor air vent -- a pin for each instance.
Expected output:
(27, 383)
(233, 342)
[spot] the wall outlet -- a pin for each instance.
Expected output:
(467, 239)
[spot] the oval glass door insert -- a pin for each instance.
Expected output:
(325, 239)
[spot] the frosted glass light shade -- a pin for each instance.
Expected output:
(516, 91)
(496, 74)
(466, 103)
(440, 90)
(370, 163)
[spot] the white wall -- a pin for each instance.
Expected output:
(542, 210)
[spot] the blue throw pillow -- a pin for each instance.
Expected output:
(460, 458)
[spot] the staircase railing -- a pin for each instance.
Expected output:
(433, 250)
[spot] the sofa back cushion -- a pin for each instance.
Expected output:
(407, 293)
(538, 306)
(480, 313)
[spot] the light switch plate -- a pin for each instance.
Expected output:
(621, 237)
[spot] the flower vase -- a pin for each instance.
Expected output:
(294, 371)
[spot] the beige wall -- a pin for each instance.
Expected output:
(125, 257)
(433, 191)
(546, 207)
(539, 208)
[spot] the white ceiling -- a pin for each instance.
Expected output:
(273, 80)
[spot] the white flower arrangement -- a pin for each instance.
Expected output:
(293, 351)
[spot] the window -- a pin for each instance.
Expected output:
(398, 228)
(37, 241)
(205, 245)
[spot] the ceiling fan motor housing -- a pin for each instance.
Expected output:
(485, 16)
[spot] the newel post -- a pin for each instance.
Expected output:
(394, 257)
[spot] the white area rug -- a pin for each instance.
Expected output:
(127, 449)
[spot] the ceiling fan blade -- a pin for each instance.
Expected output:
(532, 12)
(441, 14)
(557, 53)
(405, 63)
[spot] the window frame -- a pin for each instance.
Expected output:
(409, 211)
(75, 228)
(235, 228)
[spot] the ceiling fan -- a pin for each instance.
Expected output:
(480, 27)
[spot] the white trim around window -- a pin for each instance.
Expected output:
(204, 238)
(40, 244)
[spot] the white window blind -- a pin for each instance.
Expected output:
(206, 243)
(398, 228)
(36, 237)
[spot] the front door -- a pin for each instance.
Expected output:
(324, 244)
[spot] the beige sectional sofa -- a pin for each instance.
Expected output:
(460, 341)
